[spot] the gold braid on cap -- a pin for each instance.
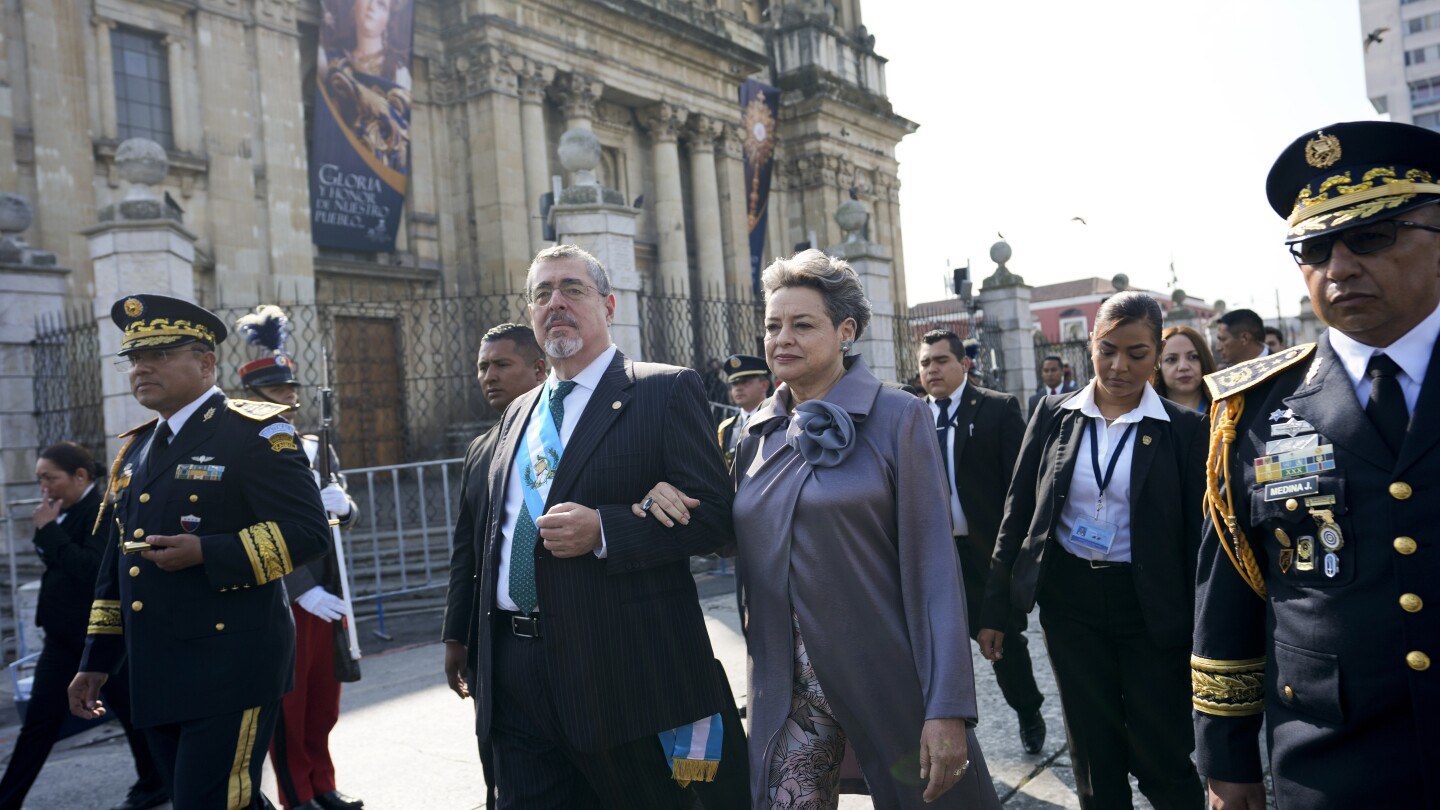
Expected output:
(1224, 416)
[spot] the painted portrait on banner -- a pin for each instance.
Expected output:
(360, 160)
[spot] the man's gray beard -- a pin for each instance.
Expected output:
(563, 347)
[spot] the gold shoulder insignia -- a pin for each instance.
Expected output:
(259, 411)
(1251, 373)
(720, 429)
(132, 431)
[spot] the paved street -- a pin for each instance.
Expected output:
(405, 741)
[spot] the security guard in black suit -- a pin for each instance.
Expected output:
(749, 381)
(208, 507)
(1318, 596)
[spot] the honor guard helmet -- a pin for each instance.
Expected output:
(161, 322)
(267, 329)
(744, 366)
(1351, 174)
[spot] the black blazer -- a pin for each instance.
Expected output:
(469, 549)
(987, 428)
(624, 637)
(71, 555)
(1167, 475)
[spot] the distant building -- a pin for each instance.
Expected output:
(1401, 41)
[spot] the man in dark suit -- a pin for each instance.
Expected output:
(1318, 598)
(590, 643)
(1052, 381)
(213, 503)
(1239, 337)
(980, 432)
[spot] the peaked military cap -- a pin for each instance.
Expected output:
(742, 366)
(162, 322)
(1352, 173)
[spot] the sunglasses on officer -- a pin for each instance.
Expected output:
(1360, 240)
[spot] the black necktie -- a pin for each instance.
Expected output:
(1387, 410)
(942, 431)
(159, 443)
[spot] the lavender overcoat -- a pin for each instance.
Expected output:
(862, 553)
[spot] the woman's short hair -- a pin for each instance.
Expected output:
(1123, 309)
(838, 284)
(1207, 360)
(71, 458)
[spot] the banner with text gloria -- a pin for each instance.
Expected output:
(360, 160)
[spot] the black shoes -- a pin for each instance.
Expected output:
(1032, 732)
(141, 799)
(335, 800)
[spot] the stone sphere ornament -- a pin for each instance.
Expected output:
(142, 161)
(579, 150)
(1000, 253)
(851, 216)
(15, 213)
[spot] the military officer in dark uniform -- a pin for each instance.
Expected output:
(1318, 597)
(749, 381)
(209, 506)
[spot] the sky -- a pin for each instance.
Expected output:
(1155, 122)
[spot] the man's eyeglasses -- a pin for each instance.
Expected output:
(572, 290)
(154, 357)
(1370, 238)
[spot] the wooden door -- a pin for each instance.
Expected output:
(369, 392)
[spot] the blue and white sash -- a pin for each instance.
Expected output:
(539, 456)
(694, 750)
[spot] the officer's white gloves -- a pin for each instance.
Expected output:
(319, 602)
(335, 500)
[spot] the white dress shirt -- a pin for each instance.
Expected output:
(1085, 490)
(1411, 353)
(178, 419)
(959, 526)
(575, 403)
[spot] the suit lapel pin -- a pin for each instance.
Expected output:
(1145, 440)
(615, 406)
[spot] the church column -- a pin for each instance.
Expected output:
(734, 212)
(105, 68)
(663, 123)
(577, 94)
(700, 133)
(497, 173)
(532, 84)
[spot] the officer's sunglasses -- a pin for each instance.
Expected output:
(1361, 240)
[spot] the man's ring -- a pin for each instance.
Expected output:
(646, 504)
(960, 771)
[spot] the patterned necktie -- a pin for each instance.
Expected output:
(522, 546)
(1387, 409)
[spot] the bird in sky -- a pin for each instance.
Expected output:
(1374, 37)
(1080, 220)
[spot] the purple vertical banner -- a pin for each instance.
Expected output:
(759, 110)
(360, 160)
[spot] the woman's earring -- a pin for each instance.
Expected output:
(845, 345)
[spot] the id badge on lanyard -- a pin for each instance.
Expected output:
(1098, 534)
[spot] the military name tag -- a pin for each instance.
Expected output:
(1280, 490)
(1295, 463)
(1294, 427)
(199, 472)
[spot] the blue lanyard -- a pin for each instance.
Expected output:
(1104, 481)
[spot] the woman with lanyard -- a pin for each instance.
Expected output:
(1101, 527)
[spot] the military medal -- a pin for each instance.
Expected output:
(1294, 427)
(1287, 559)
(1284, 538)
(1305, 554)
(1332, 565)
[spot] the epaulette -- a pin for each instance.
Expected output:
(1250, 373)
(720, 429)
(252, 409)
(132, 431)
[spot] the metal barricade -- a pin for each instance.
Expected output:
(403, 542)
(17, 536)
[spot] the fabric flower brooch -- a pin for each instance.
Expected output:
(823, 433)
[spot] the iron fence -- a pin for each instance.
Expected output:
(1072, 353)
(683, 329)
(69, 395)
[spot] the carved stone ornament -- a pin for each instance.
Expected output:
(577, 94)
(851, 216)
(663, 121)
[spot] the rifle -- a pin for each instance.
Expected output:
(329, 476)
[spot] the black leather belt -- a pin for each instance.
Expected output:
(1102, 564)
(521, 624)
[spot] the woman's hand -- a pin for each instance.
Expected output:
(944, 755)
(46, 512)
(992, 644)
(667, 504)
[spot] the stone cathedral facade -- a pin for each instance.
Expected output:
(226, 86)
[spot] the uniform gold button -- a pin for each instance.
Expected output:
(134, 570)
(1405, 545)
(1417, 660)
(138, 606)
(144, 497)
(1291, 505)
(194, 498)
(138, 533)
(1289, 693)
(1400, 490)
(1411, 603)
(220, 625)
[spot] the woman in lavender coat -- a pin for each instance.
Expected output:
(857, 630)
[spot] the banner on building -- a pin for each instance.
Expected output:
(360, 158)
(759, 109)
